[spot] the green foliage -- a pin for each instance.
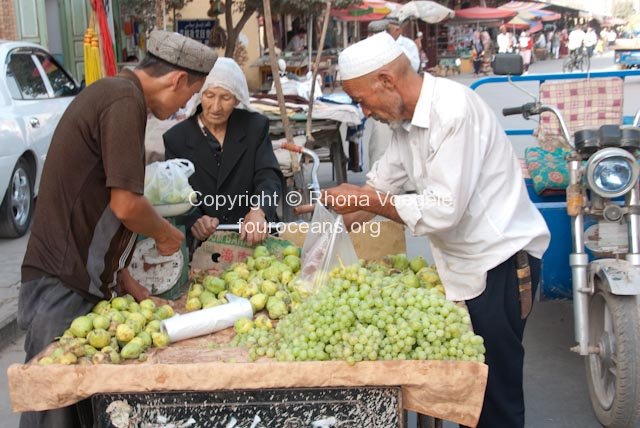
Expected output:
(146, 10)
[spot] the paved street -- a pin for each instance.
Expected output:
(555, 388)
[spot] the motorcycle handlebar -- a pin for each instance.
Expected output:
(510, 111)
(525, 109)
(532, 109)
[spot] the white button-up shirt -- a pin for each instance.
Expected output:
(471, 199)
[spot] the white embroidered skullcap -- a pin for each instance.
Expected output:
(367, 56)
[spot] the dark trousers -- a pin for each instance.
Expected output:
(45, 309)
(495, 315)
(477, 64)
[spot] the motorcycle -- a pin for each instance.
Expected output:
(605, 260)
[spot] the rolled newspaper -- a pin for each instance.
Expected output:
(207, 321)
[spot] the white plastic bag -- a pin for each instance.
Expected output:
(168, 182)
(326, 246)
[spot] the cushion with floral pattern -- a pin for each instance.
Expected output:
(548, 169)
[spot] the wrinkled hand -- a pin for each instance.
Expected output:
(170, 242)
(128, 285)
(254, 228)
(204, 227)
(343, 199)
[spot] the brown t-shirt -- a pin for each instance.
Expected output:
(98, 145)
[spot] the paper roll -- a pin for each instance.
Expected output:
(207, 321)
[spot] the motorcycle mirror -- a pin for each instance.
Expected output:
(508, 64)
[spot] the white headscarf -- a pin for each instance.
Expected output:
(226, 74)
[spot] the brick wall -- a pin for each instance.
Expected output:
(8, 20)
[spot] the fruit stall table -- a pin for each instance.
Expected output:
(203, 378)
(208, 381)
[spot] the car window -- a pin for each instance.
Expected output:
(27, 76)
(12, 84)
(62, 84)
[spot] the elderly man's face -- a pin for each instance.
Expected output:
(376, 101)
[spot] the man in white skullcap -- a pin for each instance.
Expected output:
(394, 28)
(380, 132)
(91, 202)
(469, 199)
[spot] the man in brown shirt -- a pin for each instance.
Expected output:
(91, 204)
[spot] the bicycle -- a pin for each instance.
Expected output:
(578, 60)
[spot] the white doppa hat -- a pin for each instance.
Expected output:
(368, 55)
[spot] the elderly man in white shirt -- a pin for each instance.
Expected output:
(408, 46)
(470, 200)
(576, 38)
(504, 41)
(590, 41)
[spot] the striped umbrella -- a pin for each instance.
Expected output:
(369, 10)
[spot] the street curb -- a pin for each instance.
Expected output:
(9, 330)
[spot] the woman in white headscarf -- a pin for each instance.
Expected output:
(237, 179)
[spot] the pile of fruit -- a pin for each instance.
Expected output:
(267, 281)
(393, 310)
(115, 330)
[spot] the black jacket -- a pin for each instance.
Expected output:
(248, 166)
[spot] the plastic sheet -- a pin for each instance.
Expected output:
(207, 321)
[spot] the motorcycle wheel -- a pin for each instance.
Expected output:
(613, 374)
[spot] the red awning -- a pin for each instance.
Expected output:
(535, 27)
(519, 6)
(484, 13)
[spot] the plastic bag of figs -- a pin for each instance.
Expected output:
(326, 246)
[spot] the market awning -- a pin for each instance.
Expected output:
(428, 11)
(370, 10)
(545, 15)
(612, 22)
(484, 13)
(518, 23)
(520, 6)
(535, 27)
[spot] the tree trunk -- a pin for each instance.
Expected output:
(234, 32)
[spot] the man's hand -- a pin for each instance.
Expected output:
(345, 198)
(254, 227)
(169, 242)
(204, 227)
(128, 285)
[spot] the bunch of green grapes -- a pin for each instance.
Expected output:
(368, 312)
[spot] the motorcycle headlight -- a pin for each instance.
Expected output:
(611, 172)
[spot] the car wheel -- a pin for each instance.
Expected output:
(17, 206)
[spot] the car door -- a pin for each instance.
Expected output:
(24, 112)
(45, 90)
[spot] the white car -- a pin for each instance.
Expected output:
(34, 92)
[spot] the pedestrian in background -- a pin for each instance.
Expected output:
(487, 53)
(555, 45)
(590, 41)
(477, 49)
(564, 43)
(526, 45)
(504, 41)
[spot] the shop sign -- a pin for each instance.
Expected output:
(197, 29)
